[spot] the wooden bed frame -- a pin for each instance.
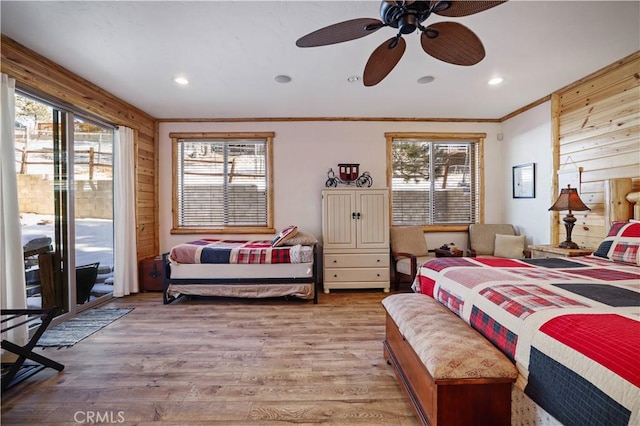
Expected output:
(166, 279)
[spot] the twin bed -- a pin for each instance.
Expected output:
(570, 325)
(239, 268)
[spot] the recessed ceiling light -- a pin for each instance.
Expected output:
(426, 79)
(181, 81)
(496, 80)
(282, 78)
(353, 78)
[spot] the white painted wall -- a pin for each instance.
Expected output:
(304, 152)
(527, 138)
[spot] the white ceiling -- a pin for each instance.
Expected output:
(232, 50)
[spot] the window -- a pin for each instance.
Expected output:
(222, 182)
(435, 179)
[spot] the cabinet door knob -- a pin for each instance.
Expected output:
(335, 261)
(335, 275)
(353, 215)
(378, 260)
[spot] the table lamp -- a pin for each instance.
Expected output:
(568, 200)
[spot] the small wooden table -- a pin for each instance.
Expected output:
(549, 250)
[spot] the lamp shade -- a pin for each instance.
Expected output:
(568, 200)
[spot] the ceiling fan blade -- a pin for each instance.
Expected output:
(462, 8)
(383, 60)
(340, 32)
(453, 43)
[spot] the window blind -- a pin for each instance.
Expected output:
(221, 183)
(434, 182)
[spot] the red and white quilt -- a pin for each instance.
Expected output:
(238, 251)
(571, 325)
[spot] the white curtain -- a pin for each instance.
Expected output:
(125, 280)
(12, 281)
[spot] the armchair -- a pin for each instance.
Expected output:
(408, 251)
(496, 240)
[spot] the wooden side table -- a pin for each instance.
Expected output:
(549, 250)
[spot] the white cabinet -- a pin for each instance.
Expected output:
(355, 234)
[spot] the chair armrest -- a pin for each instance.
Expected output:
(414, 262)
(471, 252)
(527, 253)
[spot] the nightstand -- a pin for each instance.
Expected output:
(540, 251)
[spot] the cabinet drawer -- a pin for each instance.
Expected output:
(357, 274)
(368, 260)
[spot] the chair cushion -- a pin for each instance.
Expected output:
(404, 264)
(482, 236)
(509, 246)
(408, 239)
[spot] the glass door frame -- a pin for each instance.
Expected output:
(64, 247)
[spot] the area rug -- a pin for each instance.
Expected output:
(80, 327)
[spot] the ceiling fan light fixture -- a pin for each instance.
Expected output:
(282, 78)
(407, 24)
(426, 79)
(495, 81)
(353, 78)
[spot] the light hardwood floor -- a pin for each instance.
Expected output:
(222, 362)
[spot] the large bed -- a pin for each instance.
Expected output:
(240, 268)
(570, 325)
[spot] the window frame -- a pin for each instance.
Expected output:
(222, 136)
(475, 138)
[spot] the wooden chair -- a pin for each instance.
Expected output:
(409, 251)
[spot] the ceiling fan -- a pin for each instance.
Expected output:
(448, 41)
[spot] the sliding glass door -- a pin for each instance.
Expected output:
(65, 192)
(93, 210)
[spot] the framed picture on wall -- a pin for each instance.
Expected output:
(524, 181)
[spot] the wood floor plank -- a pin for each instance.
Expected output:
(223, 361)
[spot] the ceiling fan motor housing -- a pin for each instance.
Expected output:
(403, 15)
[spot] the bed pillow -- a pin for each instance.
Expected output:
(284, 235)
(302, 238)
(621, 244)
(509, 246)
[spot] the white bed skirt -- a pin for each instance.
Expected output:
(253, 291)
(239, 272)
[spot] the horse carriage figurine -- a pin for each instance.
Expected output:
(348, 174)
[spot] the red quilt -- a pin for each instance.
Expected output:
(572, 326)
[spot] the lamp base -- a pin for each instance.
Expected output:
(569, 245)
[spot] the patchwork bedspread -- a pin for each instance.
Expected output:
(571, 325)
(239, 251)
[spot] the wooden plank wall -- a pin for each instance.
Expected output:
(597, 127)
(34, 71)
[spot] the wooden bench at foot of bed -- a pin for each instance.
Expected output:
(450, 372)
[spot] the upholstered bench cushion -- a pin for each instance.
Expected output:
(447, 346)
